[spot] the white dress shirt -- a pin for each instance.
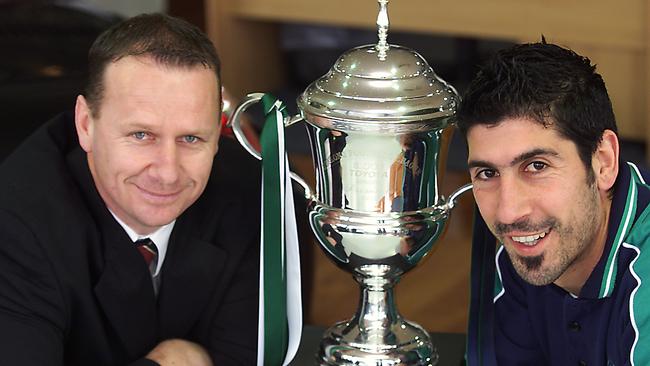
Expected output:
(159, 237)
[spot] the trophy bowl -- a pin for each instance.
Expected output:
(377, 123)
(377, 129)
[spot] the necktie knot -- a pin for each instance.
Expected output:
(149, 252)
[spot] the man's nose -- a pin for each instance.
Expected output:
(514, 200)
(166, 167)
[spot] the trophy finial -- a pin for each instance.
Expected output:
(382, 25)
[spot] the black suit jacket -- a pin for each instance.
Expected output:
(75, 291)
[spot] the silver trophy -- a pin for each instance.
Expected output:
(376, 123)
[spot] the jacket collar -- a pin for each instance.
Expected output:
(623, 213)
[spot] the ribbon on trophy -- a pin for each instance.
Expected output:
(280, 305)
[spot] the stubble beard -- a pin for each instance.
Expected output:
(573, 239)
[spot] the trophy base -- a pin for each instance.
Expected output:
(401, 344)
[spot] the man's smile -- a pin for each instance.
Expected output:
(529, 240)
(159, 197)
(528, 244)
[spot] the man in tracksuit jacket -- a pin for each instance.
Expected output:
(560, 258)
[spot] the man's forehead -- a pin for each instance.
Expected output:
(509, 139)
(143, 72)
(513, 126)
(136, 63)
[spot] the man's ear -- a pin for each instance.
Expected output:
(84, 123)
(605, 160)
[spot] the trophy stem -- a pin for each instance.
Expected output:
(377, 310)
(377, 335)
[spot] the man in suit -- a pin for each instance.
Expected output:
(136, 163)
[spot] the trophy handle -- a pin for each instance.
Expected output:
(234, 122)
(451, 201)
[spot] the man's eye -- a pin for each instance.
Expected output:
(485, 174)
(140, 135)
(536, 166)
(190, 139)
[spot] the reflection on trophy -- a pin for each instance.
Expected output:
(376, 122)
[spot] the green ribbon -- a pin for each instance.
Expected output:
(276, 331)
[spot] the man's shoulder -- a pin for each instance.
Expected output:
(235, 175)
(235, 167)
(42, 152)
(36, 177)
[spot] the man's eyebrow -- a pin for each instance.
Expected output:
(479, 164)
(517, 160)
(531, 154)
(138, 124)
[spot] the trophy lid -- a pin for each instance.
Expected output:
(379, 87)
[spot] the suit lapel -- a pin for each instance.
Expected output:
(191, 269)
(125, 293)
(124, 289)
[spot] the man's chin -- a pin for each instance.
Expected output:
(535, 279)
(532, 263)
(531, 270)
(157, 223)
(153, 222)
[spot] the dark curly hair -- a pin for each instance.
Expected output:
(545, 83)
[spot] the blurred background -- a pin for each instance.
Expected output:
(281, 46)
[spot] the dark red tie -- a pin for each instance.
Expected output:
(149, 252)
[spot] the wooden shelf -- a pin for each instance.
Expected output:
(612, 35)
